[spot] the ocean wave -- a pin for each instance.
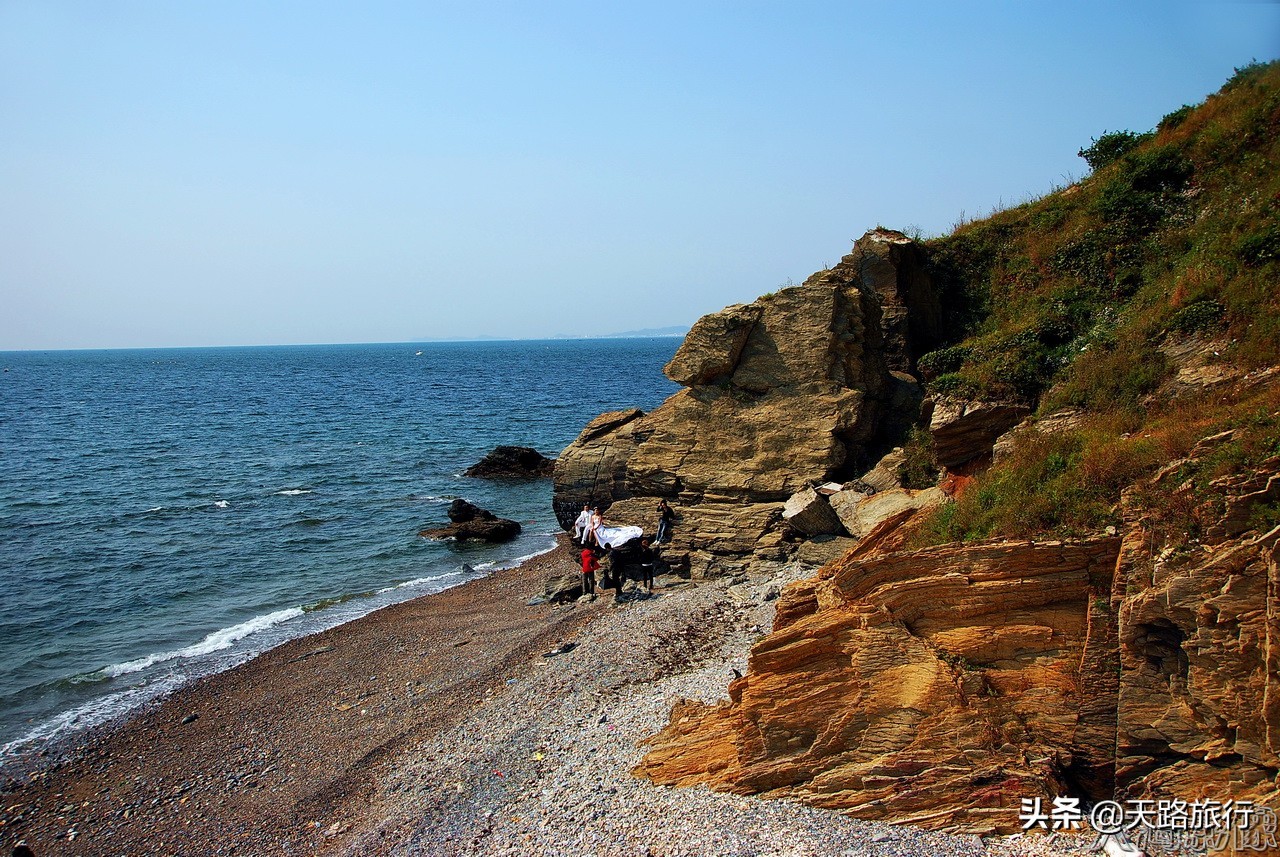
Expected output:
(419, 581)
(293, 492)
(221, 639)
(502, 564)
(221, 504)
(91, 713)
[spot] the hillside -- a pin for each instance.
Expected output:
(1135, 301)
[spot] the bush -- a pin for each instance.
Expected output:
(920, 469)
(1193, 318)
(1109, 148)
(1176, 118)
(943, 361)
(1260, 247)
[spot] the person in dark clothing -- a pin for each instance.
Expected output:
(647, 558)
(590, 564)
(665, 517)
(613, 574)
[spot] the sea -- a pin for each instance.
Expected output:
(169, 513)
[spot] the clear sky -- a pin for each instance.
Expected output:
(222, 173)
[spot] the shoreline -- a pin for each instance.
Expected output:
(55, 733)
(440, 725)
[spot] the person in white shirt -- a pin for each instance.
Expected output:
(582, 525)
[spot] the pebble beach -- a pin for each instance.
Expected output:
(466, 722)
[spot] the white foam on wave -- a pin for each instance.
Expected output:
(293, 492)
(90, 714)
(503, 564)
(221, 504)
(419, 581)
(221, 639)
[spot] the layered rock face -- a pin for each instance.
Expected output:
(937, 687)
(942, 686)
(789, 389)
(1199, 697)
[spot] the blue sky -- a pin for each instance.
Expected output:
(271, 173)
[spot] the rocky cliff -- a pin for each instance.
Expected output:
(1038, 462)
(936, 687)
(796, 387)
(941, 686)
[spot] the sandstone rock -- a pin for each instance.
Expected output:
(963, 431)
(884, 476)
(559, 588)
(860, 514)
(791, 389)
(808, 512)
(821, 552)
(512, 462)
(712, 347)
(1198, 709)
(595, 471)
(894, 265)
(937, 687)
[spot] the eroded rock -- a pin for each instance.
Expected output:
(937, 687)
(963, 431)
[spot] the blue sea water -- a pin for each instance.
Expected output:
(169, 513)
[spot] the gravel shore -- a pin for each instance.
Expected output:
(446, 725)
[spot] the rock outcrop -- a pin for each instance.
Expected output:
(963, 431)
(512, 462)
(471, 523)
(792, 389)
(911, 313)
(890, 683)
(1198, 711)
(942, 686)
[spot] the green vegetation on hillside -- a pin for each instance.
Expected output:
(1088, 299)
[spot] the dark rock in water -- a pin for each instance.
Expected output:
(460, 511)
(471, 523)
(512, 462)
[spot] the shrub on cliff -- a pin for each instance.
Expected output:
(1090, 296)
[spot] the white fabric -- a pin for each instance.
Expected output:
(582, 524)
(615, 536)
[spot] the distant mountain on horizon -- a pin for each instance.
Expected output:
(669, 330)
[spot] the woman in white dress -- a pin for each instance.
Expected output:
(612, 537)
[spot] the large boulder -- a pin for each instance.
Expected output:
(512, 462)
(860, 513)
(793, 388)
(809, 512)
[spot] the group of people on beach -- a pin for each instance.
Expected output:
(601, 544)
